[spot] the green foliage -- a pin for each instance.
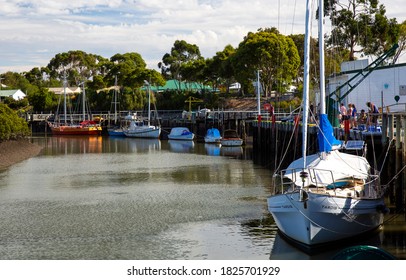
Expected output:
(42, 100)
(11, 125)
(77, 65)
(401, 42)
(183, 56)
(15, 81)
(269, 52)
(219, 70)
(361, 26)
(287, 106)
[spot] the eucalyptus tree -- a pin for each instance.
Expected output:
(131, 72)
(78, 65)
(361, 27)
(332, 57)
(183, 57)
(271, 53)
(401, 42)
(127, 67)
(220, 68)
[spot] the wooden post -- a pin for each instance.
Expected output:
(390, 126)
(384, 128)
(398, 134)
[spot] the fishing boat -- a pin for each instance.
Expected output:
(123, 125)
(181, 133)
(212, 136)
(65, 126)
(330, 195)
(231, 138)
(141, 128)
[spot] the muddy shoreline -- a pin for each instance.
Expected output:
(15, 151)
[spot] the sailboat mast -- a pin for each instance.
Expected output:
(64, 97)
(115, 100)
(83, 102)
(149, 105)
(321, 53)
(306, 73)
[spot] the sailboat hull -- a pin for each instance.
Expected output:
(321, 219)
(76, 130)
(143, 132)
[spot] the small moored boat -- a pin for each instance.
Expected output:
(231, 138)
(181, 133)
(213, 136)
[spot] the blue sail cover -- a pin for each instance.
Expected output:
(214, 132)
(325, 135)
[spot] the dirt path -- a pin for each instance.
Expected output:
(12, 152)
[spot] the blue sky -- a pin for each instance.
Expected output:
(33, 31)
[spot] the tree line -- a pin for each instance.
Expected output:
(359, 28)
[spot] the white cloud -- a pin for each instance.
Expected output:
(34, 31)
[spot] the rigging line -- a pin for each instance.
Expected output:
(347, 214)
(327, 229)
(392, 218)
(345, 162)
(288, 145)
(276, 132)
(279, 13)
(394, 177)
(294, 14)
(386, 155)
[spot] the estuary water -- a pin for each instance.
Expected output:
(109, 198)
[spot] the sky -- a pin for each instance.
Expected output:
(32, 32)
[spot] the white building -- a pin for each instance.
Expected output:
(16, 94)
(383, 86)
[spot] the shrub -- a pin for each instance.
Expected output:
(11, 125)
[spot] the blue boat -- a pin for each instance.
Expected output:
(213, 136)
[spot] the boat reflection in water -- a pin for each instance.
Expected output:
(181, 146)
(231, 151)
(144, 145)
(212, 149)
(75, 144)
(283, 249)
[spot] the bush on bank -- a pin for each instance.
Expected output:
(12, 127)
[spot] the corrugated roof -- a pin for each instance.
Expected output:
(179, 85)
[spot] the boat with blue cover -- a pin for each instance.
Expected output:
(212, 136)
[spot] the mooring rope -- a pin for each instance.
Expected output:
(327, 229)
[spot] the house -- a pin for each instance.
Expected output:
(16, 94)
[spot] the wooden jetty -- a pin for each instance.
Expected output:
(279, 143)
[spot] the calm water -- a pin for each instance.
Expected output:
(125, 198)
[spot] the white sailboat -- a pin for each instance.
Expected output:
(139, 129)
(330, 195)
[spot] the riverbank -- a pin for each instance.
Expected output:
(15, 151)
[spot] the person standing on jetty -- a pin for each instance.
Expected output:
(343, 113)
(372, 114)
